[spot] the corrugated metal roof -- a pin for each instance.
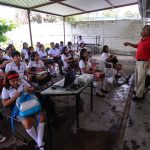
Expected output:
(67, 7)
(58, 9)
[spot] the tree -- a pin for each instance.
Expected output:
(109, 13)
(5, 26)
(129, 14)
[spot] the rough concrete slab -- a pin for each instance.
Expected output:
(138, 129)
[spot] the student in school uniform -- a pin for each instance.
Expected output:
(10, 93)
(24, 50)
(56, 55)
(42, 53)
(18, 65)
(87, 67)
(8, 53)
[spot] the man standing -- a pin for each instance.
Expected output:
(143, 61)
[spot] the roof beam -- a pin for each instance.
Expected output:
(108, 1)
(102, 9)
(47, 13)
(71, 6)
(45, 4)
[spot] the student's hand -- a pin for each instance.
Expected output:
(29, 89)
(16, 95)
(126, 43)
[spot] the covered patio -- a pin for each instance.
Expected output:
(109, 126)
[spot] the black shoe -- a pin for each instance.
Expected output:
(137, 99)
(104, 91)
(100, 95)
(117, 76)
(128, 78)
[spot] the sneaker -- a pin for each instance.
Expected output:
(117, 76)
(2, 139)
(128, 78)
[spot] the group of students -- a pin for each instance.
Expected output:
(16, 69)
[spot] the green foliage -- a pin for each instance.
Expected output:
(5, 26)
(71, 19)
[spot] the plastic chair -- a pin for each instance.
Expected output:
(108, 71)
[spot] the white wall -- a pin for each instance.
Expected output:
(112, 33)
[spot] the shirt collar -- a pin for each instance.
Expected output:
(146, 38)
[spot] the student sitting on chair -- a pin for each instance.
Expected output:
(10, 93)
(42, 53)
(18, 65)
(28, 54)
(86, 67)
(67, 58)
(35, 67)
(118, 67)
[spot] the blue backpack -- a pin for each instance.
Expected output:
(26, 105)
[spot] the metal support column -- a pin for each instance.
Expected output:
(64, 30)
(30, 27)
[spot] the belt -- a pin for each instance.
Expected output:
(141, 60)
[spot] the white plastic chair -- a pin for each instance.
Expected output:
(108, 71)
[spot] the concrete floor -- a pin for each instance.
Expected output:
(98, 129)
(138, 129)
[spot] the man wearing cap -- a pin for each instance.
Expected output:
(142, 61)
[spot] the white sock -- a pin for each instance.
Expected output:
(32, 133)
(40, 131)
(98, 87)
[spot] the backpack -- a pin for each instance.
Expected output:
(26, 105)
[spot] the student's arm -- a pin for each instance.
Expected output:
(7, 102)
(130, 44)
(27, 87)
(86, 71)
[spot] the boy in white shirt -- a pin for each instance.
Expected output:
(55, 53)
(18, 65)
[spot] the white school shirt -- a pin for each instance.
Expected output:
(86, 65)
(24, 51)
(19, 69)
(38, 64)
(61, 47)
(42, 54)
(7, 57)
(80, 41)
(37, 49)
(27, 56)
(9, 93)
(54, 52)
(104, 56)
(63, 57)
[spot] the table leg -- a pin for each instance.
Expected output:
(92, 96)
(47, 106)
(77, 108)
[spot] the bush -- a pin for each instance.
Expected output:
(5, 26)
